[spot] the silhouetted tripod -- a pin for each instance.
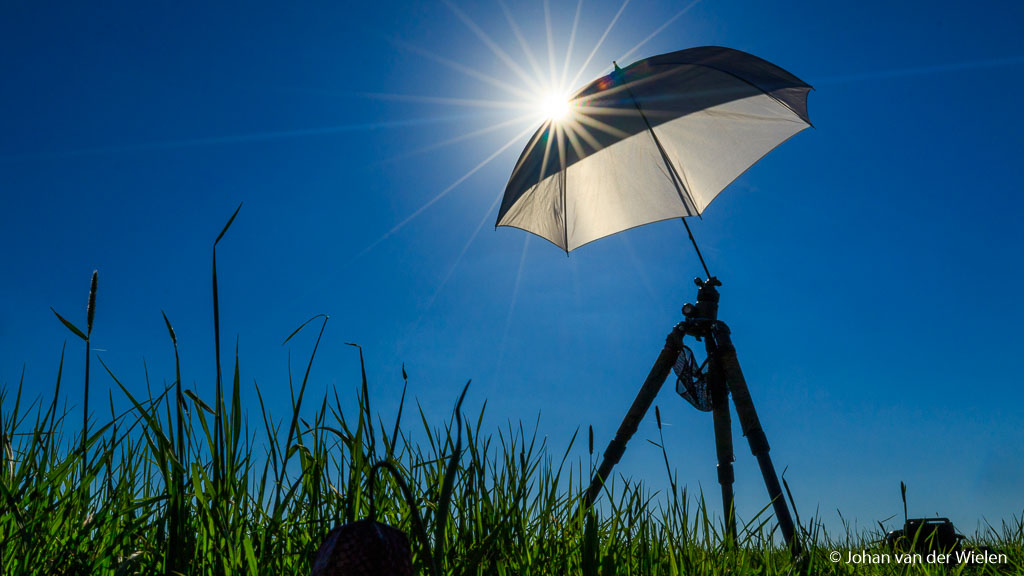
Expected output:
(723, 377)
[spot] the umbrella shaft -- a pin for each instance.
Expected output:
(697, 248)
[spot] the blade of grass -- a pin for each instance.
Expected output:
(218, 448)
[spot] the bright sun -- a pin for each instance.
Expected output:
(555, 106)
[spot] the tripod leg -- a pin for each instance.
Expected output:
(723, 442)
(655, 379)
(751, 426)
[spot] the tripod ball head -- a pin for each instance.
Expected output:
(706, 307)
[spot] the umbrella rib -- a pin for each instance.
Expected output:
(564, 181)
(761, 90)
(676, 180)
(684, 193)
(570, 135)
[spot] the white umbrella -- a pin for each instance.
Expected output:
(656, 140)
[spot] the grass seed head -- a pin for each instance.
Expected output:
(90, 311)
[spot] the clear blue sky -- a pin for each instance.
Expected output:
(872, 265)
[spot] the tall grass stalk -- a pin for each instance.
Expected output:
(90, 314)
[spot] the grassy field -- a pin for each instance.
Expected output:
(159, 490)
(179, 484)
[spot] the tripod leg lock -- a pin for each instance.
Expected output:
(725, 474)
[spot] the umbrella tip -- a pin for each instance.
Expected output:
(616, 64)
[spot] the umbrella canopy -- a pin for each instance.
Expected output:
(656, 140)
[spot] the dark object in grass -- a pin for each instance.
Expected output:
(926, 535)
(364, 548)
(369, 548)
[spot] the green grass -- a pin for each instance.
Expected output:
(179, 484)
